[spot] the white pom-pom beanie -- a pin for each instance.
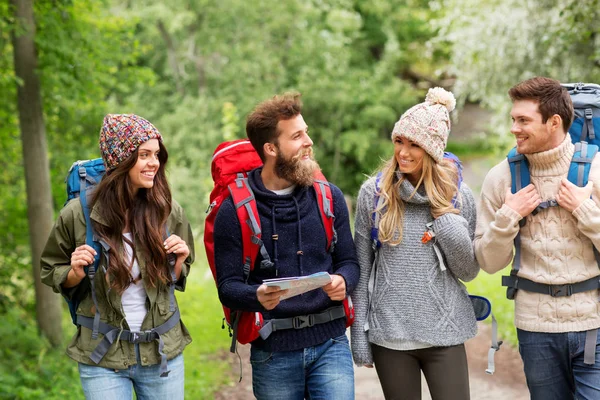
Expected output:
(428, 123)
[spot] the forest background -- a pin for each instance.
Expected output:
(195, 68)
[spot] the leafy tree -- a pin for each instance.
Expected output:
(354, 62)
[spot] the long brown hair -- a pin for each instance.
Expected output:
(440, 182)
(145, 213)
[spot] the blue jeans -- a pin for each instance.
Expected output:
(554, 367)
(109, 384)
(324, 371)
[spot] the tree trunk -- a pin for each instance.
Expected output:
(37, 168)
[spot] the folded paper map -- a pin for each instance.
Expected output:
(296, 285)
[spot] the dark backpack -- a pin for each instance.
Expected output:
(481, 306)
(586, 102)
(230, 165)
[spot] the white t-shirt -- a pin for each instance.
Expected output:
(287, 190)
(134, 297)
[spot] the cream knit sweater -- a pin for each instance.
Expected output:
(556, 246)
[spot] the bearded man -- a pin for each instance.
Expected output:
(309, 360)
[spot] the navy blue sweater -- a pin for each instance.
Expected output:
(296, 219)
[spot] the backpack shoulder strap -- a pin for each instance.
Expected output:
(247, 213)
(519, 177)
(459, 169)
(325, 202)
(519, 170)
(579, 170)
(245, 206)
(90, 240)
(377, 200)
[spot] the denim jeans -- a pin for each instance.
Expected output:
(554, 367)
(109, 384)
(324, 371)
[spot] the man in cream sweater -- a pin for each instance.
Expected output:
(557, 333)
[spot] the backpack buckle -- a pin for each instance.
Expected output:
(303, 321)
(560, 290)
(140, 337)
(589, 113)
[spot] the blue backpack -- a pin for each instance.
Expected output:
(481, 305)
(84, 175)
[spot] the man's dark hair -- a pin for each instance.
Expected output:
(261, 124)
(551, 97)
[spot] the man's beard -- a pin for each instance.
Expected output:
(295, 170)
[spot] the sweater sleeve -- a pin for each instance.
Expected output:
(497, 224)
(344, 253)
(361, 348)
(454, 234)
(234, 292)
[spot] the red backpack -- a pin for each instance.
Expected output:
(230, 165)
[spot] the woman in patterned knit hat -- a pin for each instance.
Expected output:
(412, 312)
(129, 333)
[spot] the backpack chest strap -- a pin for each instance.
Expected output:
(112, 333)
(516, 282)
(301, 321)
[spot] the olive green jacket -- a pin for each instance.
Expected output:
(69, 232)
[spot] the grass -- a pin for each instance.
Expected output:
(206, 366)
(31, 369)
(489, 286)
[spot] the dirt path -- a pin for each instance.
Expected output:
(507, 383)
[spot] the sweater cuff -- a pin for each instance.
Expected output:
(584, 208)
(447, 221)
(60, 277)
(506, 217)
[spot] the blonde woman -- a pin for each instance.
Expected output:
(413, 314)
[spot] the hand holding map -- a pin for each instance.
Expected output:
(299, 284)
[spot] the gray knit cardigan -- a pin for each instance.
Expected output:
(413, 300)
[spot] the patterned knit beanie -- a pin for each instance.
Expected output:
(428, 124)
(121, 135)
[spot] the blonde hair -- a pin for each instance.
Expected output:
(440, 181)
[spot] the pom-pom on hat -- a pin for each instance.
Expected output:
(428, 123)
(121, 135)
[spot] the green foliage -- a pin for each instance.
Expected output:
(29, 368)
(496, 44)
(207, 358)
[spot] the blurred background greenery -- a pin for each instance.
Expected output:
(195, 68)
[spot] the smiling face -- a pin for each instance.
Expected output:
(409, 157)
(143, 172)
(533, 135)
